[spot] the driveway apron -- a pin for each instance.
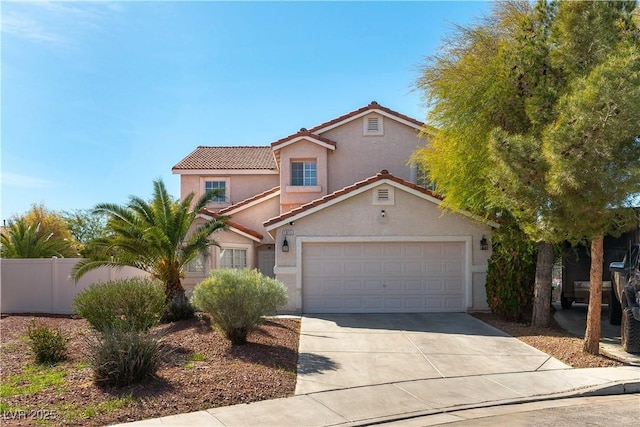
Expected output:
(341, 351)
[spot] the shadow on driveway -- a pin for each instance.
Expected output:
(442, 323)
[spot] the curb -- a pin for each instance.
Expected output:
(614, 388)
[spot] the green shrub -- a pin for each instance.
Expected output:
(511, 275)
(120, 357)
(129, 304)
(179, 308)
(48, 345)
(237, 300)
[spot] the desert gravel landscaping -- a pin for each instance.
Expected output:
(202, 371)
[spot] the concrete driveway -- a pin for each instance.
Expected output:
(339, 351)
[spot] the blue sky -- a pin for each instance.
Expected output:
(100, 99)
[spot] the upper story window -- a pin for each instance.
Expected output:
(373, 125)
(220, 186)
(303, 173)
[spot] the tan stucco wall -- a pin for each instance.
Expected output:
(291, 197)
(410, 216)
(241, 187)
(358, 157)
(255, 215)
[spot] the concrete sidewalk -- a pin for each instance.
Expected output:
(363, 369)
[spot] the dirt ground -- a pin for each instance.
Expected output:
(201, 371)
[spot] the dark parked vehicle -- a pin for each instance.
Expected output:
(624, 306)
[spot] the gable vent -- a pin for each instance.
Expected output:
(383, 194)
(373, 126)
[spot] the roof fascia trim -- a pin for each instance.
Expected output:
(225, 171)
(242, 233)
(305, 138)
(253, 203)
(364, 113)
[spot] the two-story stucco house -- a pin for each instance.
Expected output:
(335, 213)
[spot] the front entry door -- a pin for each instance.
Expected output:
(266, 262)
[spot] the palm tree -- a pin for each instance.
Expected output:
(23, 240)
(152, 236)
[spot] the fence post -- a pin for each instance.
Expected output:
(54, 283)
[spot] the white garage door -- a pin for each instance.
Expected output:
(370, 277)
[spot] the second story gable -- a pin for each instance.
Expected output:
(310, 163)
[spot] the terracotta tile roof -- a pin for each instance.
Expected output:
(233, 224)
(372, 106)
(229, 158)
(384, 174)
(249, 200)
(302, 133)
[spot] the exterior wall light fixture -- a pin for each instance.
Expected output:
(383, 213)
(484, 244)
(285, 245)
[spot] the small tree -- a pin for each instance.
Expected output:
(85, 225)
(537, 111)
(238, 300)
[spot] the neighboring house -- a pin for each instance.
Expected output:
(335, 212)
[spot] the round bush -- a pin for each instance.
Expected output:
(48, 345)
(237, 300)
(129, 304)
(120, 358)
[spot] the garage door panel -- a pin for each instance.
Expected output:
(373, 285)
(393, 304)
(434, 285)
(374, 249)
(352, 250)
(414, 304)
(392, 267)
(453, 303)
(372, 267)
(393, 285)
(352, 267)
(453, 250)
(413, 267)
(414, 285)
(432, 267)
(393, 250)
(413, 250)
(372, 304)
(453, 285)
(332, 250)
(453, 266)
(434, 304)
(353, 286)
(352, 305)
(383, 277)
(333, 286)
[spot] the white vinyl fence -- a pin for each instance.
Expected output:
(45, 285)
